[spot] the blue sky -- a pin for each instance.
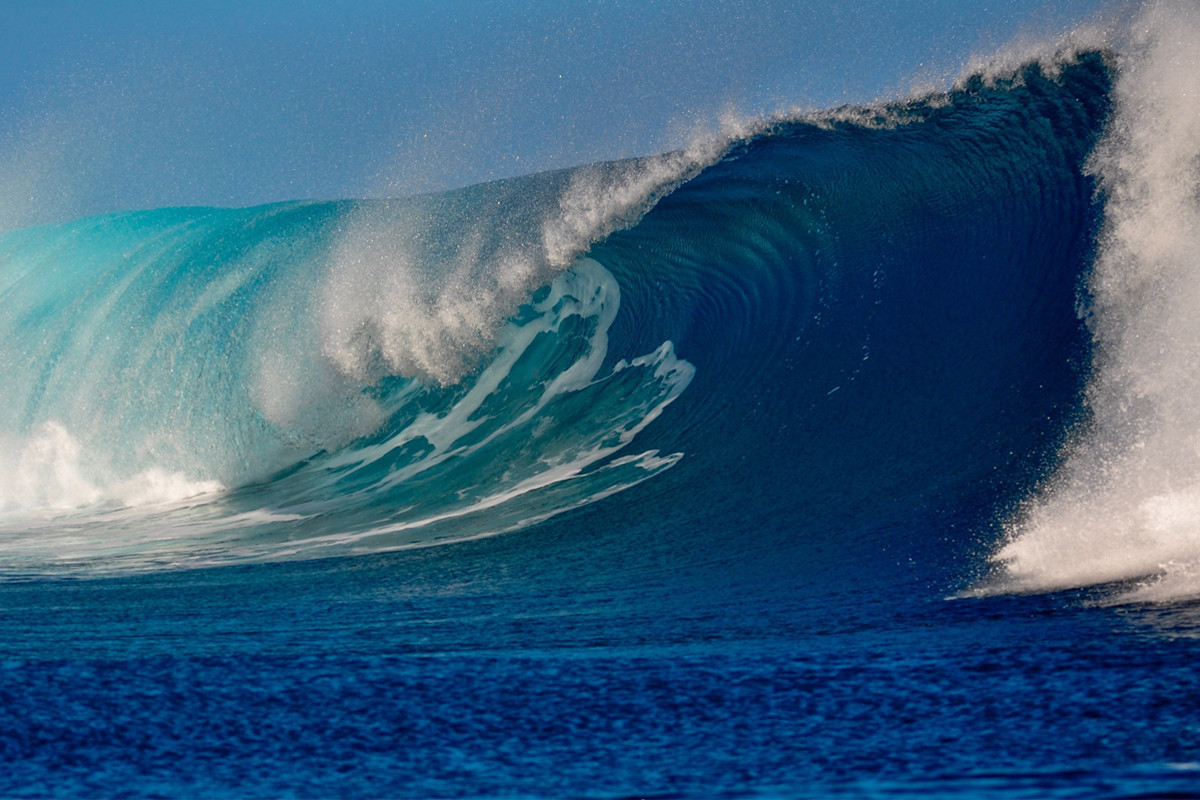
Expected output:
(120, 105)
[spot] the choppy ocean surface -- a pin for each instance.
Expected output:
(852, 453)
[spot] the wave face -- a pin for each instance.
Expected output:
(838, 332)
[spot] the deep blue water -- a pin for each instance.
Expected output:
(673, 477)
(492, 671)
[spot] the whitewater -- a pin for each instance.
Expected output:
(856, 448)
(1129, 483)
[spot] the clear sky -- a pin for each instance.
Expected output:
(115, 105)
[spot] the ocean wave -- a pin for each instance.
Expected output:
(817, 327)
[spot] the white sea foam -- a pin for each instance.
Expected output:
(45, 473)
(48, 472)
(1125, 504)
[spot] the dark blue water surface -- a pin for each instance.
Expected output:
(882, 317)
(557, 662)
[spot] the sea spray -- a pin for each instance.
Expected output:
(1126, 501)
(420, 287)
(46, 473)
